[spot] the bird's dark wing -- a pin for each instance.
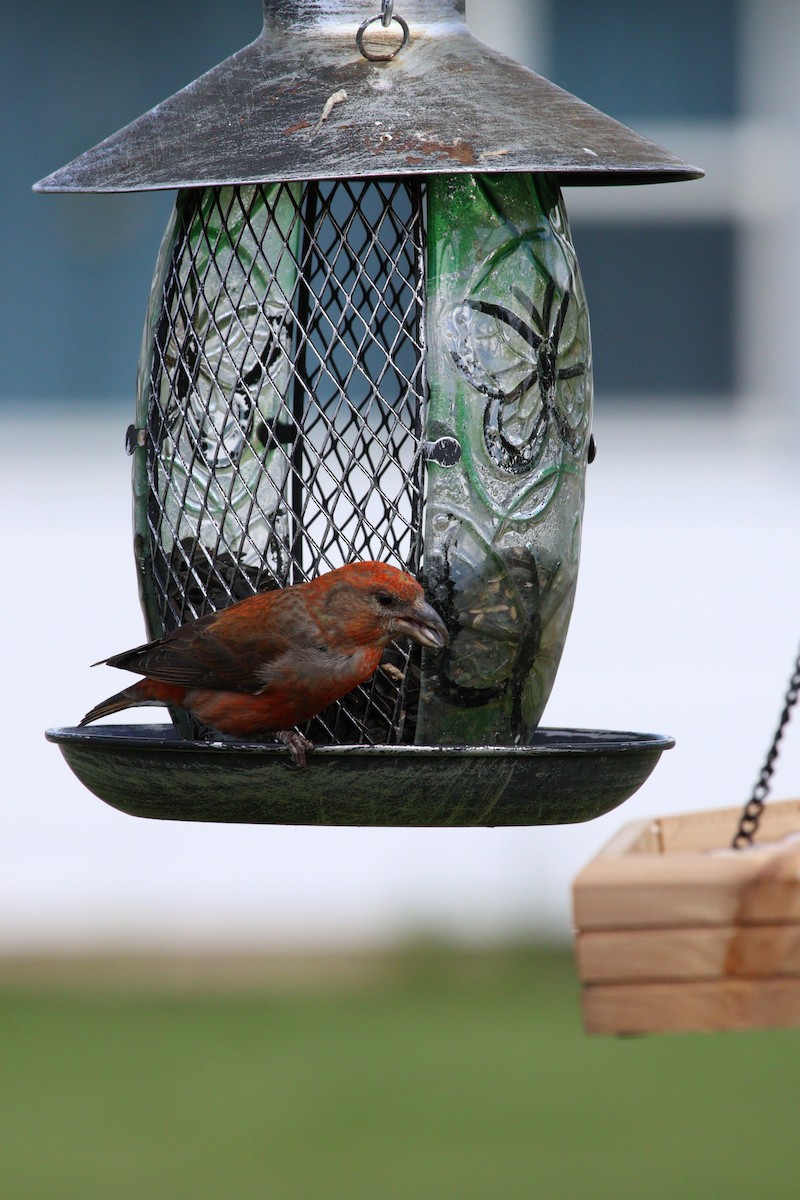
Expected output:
(227, 650)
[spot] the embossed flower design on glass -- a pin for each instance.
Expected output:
(493, 344)
(215, 366)
(510, 374)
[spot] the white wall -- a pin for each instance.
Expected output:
(685, 622)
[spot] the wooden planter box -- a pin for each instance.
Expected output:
(676, 932)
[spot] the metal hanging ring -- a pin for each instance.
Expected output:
(382, 55)
(387, 12)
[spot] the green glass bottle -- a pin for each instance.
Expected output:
(509, 373)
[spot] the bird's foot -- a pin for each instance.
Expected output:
(299, 747)
(393, 672)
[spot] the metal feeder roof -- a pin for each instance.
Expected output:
(303, 102)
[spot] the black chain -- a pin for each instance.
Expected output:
(751, 816)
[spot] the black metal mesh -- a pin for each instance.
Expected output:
(286, 398)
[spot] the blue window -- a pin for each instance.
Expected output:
(636, 59)
(661, 304)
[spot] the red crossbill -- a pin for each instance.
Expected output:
(277, 659)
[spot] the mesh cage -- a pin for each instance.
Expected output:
(286, 392)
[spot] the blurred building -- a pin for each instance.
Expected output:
(685, 620)
(693, 288)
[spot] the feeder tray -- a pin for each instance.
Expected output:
(566, 775)
(677, 932)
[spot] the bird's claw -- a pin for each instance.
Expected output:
(299, 747)
(393, 672)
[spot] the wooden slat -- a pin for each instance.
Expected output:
(702, 1006)
(680, 871)
(714, 828)
(651, 891)
(637, 837)
(713, 952)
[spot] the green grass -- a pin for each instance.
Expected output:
(441, 1077)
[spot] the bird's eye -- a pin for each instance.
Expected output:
(385, 600)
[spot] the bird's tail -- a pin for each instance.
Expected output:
(146, 691)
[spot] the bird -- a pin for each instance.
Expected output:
(274, 660)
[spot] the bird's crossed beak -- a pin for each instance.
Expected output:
(424, 625)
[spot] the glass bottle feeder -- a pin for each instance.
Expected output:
(368, 339)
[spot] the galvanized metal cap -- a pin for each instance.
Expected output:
(307, 100)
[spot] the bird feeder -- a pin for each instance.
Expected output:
(681, 928)
(679, 931)
(368, 339)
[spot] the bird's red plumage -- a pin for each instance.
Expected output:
(274, 660)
